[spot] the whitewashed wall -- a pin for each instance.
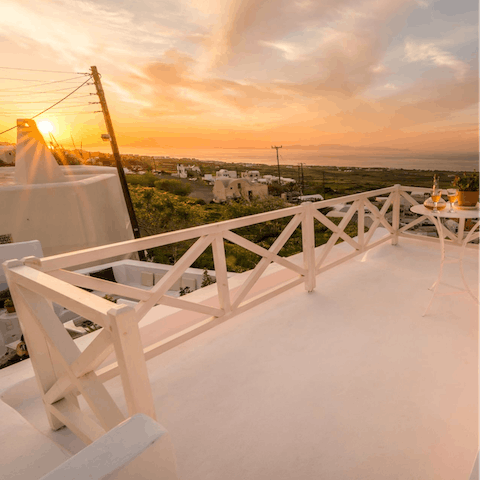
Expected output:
(87, 211)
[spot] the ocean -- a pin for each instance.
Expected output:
(389, 159)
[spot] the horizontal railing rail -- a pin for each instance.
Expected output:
(63, 371)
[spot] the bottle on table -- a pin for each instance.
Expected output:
(436, 192)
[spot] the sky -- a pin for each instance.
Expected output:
(250, 73)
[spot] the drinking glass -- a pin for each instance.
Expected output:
(452, 196)
(436, 195)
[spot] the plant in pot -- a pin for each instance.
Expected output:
(8, 304)
(467, 186)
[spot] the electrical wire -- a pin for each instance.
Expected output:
(30, 111)
(45, 71)
(56, 111)
(48, 100)
(66, 80)
(79, 104)
(36, 93)
(54, 105)
(21, 79)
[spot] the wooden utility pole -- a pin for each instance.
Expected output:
(301, 184)
(116, 156)
(278, 164)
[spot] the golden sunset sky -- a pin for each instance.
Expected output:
(251, 73)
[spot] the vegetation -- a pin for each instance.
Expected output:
(162, 205)
(468, 182)
(146, 180)
(185, 291)
(207, 279)
(8, 303)
(159, 212)
(173, 186)
(4, 295)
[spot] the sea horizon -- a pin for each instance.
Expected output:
(456, 162)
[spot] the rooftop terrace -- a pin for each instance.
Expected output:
(348, 380)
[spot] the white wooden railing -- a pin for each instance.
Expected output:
(63, 372)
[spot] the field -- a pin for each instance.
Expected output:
(329, 181)
(161, 211)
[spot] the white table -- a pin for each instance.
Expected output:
(458, 239)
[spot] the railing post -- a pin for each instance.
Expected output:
(43, 362)
(396, 214)
(361, 225)
(308, 242)
(131, 361)
(220, 263)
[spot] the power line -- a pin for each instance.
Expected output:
(64, 105)
(45, 71)
(48, 100)
(15, 114)
(79, 104)
(21, 79)
(37, 93)
(40, 84)
(55, 104)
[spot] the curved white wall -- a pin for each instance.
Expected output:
(85, 211)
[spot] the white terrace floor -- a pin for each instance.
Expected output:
(347, 382)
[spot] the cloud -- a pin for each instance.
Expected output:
(430, 54)
(76, 31)
(297, 65)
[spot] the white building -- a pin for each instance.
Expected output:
(208, 177)
(64, 207)
(269, 179)
(223, 173)
(182, 170)
(252, 175)
(226, 189)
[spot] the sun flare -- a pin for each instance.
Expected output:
(45, 126)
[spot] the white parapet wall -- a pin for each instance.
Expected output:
(67, 216)
(65, 208)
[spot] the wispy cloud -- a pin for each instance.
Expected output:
(303, 65)
(429, 53)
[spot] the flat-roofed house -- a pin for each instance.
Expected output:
(227, 188)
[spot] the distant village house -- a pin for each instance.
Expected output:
(182, 170)
(230, 188)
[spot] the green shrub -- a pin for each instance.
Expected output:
(4, 295)
(146, 180)
(173, 186)
(207, 279)
(468, 182)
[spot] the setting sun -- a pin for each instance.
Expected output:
(45, 126)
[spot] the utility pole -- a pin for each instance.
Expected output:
(278, 164)
(301, 179)
(116, 155)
